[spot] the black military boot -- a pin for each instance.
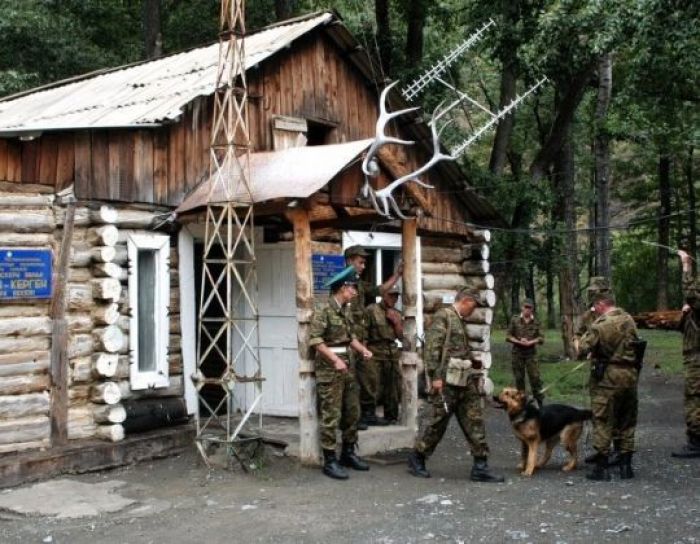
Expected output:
(416, 464)
(626, 472)
(331, 468)
(691, 450)
(348, 458)
(371, 419)
(481, 473)
(600, 471)
(615, 457)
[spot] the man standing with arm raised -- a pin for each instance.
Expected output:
(525, 333)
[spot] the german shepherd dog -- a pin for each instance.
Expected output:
(550, 424)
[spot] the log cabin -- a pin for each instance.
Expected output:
(92, 170)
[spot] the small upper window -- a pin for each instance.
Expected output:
(149, 294)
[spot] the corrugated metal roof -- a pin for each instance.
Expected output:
(145, 94)
(297, 172)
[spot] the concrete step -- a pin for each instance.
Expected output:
(381, 439)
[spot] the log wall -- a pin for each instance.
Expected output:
(97, 324)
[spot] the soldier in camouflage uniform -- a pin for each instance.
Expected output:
(614, 376)
(455, 388)
(384, 327)
(524, 333)
(367, 371)
(597, 285)
(690, 325)
(331, 335)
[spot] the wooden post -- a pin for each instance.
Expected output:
(309, 447)
(409, 355)
(59, 337)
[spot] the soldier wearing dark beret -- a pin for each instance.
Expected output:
(331, 335)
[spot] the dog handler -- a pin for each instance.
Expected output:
(456, 387)
(614, 376)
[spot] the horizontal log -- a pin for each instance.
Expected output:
(26, 429)
(78, 394)
(483, 283)
(94, 367)
(81, 370)
(475, 268)
(81, 430)
(106, 314)
(80, 345)
(483, 356)
(108, 289)
(478, 333)
(112, 433)
(23, 446)
(21, 385)
(475, 252)
(31, 404)
(106, 235)
(25, 326)
(14, 187)
(110, 339)
(487, 298)
(123, 368)
(175, 363)
(104, 365)
(443, 281)
(121, 255)
(25, 200)
(482, 316)
(441, 268)
(27, 221)
(434, 254)
(480, 236)
(106, 393)
(106, 413)
(667, 319)
(21, 310)
(110, 270)
(80, 297)
(145, 415)
(81, 217)
(77, 322)
(84, 256)
(176, 388)
(15, 344)
(80, 275)
(136, 219)
(40, 366)
(480, 345)
(37, 239)
(103, 215)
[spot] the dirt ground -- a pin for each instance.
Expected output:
(179, 500)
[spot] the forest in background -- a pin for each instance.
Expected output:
(601, 160)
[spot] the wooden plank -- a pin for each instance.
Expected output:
(191, 135)
(3, 159)
(176, 169)
(14, 161)
(82, 149)
(100, 181)
(59, 337)
(48, 158)
(30, 161)
(143, 166)
(65, 162)
(126, 186)
(160, 166)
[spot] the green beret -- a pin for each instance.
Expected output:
(347, 276)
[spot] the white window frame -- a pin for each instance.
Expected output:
(389, 240)
(159, 377)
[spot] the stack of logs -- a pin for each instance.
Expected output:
(446, 269)
(666, 319)
(97, 323)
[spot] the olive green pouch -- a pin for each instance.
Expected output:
(458, 372)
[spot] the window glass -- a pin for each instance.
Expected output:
(146, 267)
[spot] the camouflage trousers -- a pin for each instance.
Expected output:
(614, 404)
(691, 372)
(465, 403)
(527, 363)
(338, 406)
(369, 374)
(389, 394)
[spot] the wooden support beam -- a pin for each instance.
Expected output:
(59, 337)
(309, 446)
(409, 355)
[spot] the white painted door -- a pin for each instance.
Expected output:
(278, 332)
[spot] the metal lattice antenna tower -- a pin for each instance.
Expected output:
(228, 336)
(421, 82)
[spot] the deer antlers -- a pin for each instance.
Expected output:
(383, 200)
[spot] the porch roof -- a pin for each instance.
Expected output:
(297, 172)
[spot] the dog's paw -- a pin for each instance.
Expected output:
(568, 467)
(521, 466)
(527, 473)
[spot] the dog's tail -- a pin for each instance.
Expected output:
(583, 415)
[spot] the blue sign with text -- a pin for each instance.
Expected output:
(324, 268)
(25, 273)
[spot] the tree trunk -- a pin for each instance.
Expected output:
(152, 38)
(566, 216)
(692, 225)
(415, 19)
(664, 232)
(602, 167)
(381, 13)
(284, 9)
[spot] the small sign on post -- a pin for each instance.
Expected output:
(324, 268)
(25, 273)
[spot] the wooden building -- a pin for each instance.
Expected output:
(92, 170)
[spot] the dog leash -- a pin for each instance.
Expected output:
(566, 375)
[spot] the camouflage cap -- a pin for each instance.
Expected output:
(347, 276)
(468, 292)
(356, 250)
(602, 295)
(528, 302)
(598, 284)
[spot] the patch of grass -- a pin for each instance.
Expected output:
(663, 353)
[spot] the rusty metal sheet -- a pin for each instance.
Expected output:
(297, 172)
